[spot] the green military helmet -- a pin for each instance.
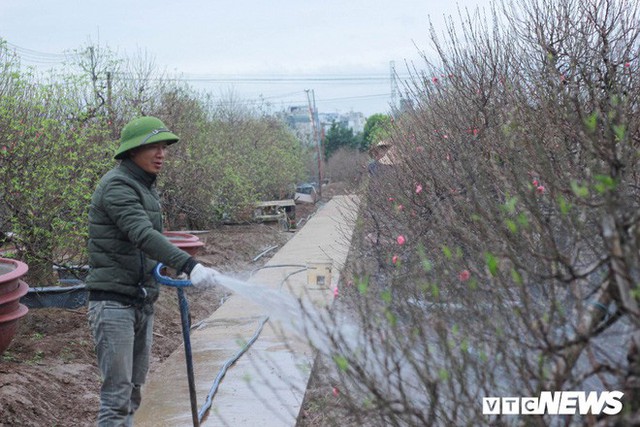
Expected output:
(142, 131)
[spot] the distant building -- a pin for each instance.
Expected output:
(356, 121)
(297, 118)
(351, 120)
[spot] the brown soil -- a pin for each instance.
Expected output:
(48, 375)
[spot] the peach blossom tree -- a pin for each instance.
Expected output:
(498, 251)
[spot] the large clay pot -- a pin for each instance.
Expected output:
(187, 242)
(11, 290)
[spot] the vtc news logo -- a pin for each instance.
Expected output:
(556, 403)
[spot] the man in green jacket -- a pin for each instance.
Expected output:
(125, 245)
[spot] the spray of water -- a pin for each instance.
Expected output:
(298, 316)
(331, 336)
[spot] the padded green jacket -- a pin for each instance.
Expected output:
(125, 236)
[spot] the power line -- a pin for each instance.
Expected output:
(38, 57)
(257, 79)
(348, 98)
(24, 50)
(47, 57)
(275, 98)
(31, 55)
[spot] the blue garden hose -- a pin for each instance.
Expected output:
(184, 317)
(184, 313)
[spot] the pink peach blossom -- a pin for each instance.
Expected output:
(335, 292)
(540, 189)
(418, 188)
(401, 240)
(394, 260)
(464, 275)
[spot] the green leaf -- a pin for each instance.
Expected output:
(591, 122)
(619, 131)
(615, 100)
(604, 184)
(363, 285)
(341, 362)
(426, 264)
(523, 220)
(492, 263)
(516, 276)
(391, 318)
(564, 205)
(511, 226)
(579, 190)
(447, 252)
(443, 374)
(510, 204)
(386, 296)
(435, 291)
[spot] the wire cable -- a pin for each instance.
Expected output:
(34, 56)
(44, 58)
(216, 383)
(231, 361)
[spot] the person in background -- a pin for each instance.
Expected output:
(379, 156)
(125, 244)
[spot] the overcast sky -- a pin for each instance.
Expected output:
(270, 38)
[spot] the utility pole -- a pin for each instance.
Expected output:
(313, 116)
(394, 85)
(110, 114)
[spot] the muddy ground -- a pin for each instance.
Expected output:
(48, 375)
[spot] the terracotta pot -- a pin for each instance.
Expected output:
(11, 290)
(187, 242)
(11, 300)
(9, 326)
(10, 273)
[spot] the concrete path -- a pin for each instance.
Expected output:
(266, 386)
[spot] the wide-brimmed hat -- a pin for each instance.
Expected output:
(143, 131)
